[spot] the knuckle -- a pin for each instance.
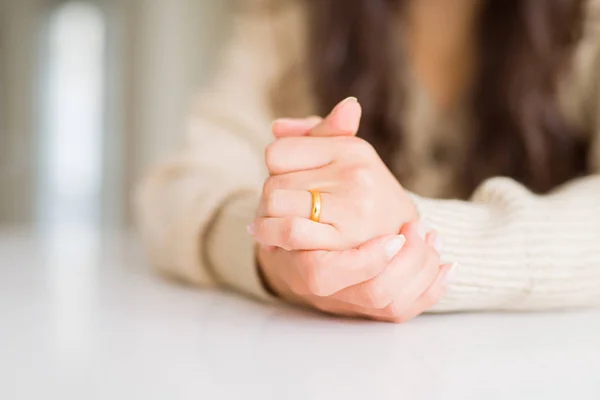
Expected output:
(315, 274)
(376, 295)
(272, 156)
(271, 184)
(361, 147)
(400, 319)
(396, 314)
(363, 207)
(361, 176)
(272, 202)
(392, 312)
(315, 281)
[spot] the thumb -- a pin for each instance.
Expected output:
(344, 120)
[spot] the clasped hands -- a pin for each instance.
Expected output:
(368, 256)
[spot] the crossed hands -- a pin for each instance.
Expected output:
(368, 256)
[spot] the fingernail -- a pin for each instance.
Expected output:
(281, 121)
(422, 230)
(287, 122)
(344, 102)
(394, 246)
(451, 275)
(347, 116)
(438, 244)
(251, 229)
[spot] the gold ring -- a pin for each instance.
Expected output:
(315, 210)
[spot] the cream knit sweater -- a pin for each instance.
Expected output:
(515, 250)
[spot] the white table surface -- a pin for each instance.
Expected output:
(84, 318)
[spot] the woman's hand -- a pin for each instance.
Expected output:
(393, 278)
(335, 265)
(360, 198)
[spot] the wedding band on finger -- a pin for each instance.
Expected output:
(315, 209)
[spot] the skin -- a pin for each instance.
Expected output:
(333, 265)
(355, 185)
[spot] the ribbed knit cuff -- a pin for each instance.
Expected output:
(510, 250)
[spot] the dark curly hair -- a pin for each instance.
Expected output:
(523, 45)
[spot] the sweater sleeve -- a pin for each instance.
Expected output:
(519, 251)
(193, 209)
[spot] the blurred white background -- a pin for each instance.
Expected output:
(91, 93)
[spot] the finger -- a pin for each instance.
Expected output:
(380, 291)
(431, 297)
(434, 240)
(328, 272)
(313, 179)
(344, 120)
(293, 233)
(294, 126)
(418, 285)
(330, 305)
(281, 203)
(336, 307)
(290, 154)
